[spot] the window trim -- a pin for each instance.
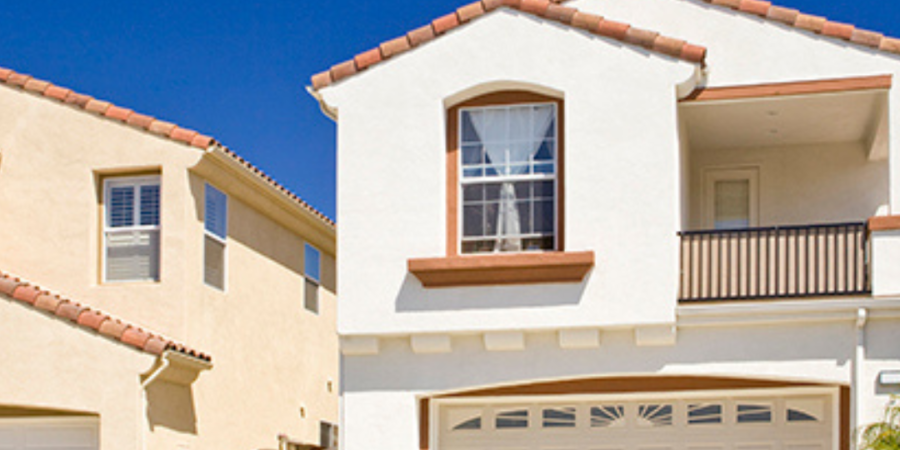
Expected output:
(222, 240)
(714, 174)
(454, 164)
(135, 181)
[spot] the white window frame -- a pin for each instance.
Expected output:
(136, 182)
(217, 238)
(462, 181)
(713, 175)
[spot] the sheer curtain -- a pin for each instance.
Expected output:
(511, 136)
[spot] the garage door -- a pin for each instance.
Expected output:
(703, 422)
(48, 434)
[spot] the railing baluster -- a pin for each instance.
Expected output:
(814, 260)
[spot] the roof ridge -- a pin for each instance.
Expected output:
(817, 24)
(142, 122)
(92, 319)
(548, 9)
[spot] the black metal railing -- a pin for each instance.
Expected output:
(774, 262)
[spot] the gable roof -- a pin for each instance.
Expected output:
(146, 123)
(89, 319)
(550, 10)
(809, 22)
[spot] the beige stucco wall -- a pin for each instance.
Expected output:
(50, 364)
(799, 185)
(271, 357)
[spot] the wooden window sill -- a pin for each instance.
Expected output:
(502, 269)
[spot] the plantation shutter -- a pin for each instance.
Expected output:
(216, 225)
(132, 229)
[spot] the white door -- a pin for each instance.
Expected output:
(48, 434)
(790, 422)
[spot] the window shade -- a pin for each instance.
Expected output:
(214, 262)
(132, 255)
(216, 215)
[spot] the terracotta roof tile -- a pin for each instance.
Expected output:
(470, 11)
(816, 24)
(26, 293)
(419, 36)
(143, 122)
(551, 10)
(90, 319)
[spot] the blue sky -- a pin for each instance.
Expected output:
(238, 70)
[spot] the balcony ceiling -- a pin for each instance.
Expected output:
(783, 121)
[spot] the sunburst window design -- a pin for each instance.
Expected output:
(804, 410)
(610, 416)
(559, 417)
(704, 413)
(655, 415)
(516, 418)
(754, 413)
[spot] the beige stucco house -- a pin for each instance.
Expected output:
(618, 225)
(157, 290)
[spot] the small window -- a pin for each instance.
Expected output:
(215, 237)
(655, 415)
(754, 412)
(312, 266)
(609, 416)
(131, 229)
(704, 413)
(328, 435)
(517, 418)
(801, 410)
(731, 198)
(464, 419)
(559, 417)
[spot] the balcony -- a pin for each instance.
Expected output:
(774, 262)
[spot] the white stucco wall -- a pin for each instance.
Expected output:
(620, 115)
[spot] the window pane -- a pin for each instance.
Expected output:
(704, 413)
(543, 216)
(120, 207)
(512, 419)
(311, 262)
(213, 262)
(543, 189)
(216, 214)
(472, 154)
(561, 417)
(490, 219)
(545, 152)
(150, 204)
(132, 255)
(655, 415)
(473, 220)
(732, 204)
(754, 413)
(468, 130)
(468, 173)
(524, 209)
(607, 416)
(311, 296)
(473, 192)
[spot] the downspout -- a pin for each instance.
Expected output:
(859, 357)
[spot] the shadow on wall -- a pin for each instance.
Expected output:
(415, 298)
(171, 406)
(256, 232)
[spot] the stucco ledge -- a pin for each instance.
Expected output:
(502, 269)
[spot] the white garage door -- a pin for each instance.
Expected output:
(702, 422)
(48, 434)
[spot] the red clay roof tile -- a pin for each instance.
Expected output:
(368, 58)
(87, 318)
(816, 24)
(470, 11)
(143, 122)
(419, 36)
(26, 293)
(47, 302)
(730, 3)
(668, 45)
(117, 113)
(550, 10)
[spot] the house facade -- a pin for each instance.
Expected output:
(150, 278)
(667, 224)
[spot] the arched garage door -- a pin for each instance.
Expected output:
(48, 434)
(709, 420)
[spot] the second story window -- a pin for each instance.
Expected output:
(311, 266)
(508, 177)
(131, 229)
(215, 224)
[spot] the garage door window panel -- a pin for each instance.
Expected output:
(511, 419)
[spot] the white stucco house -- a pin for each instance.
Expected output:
(618, 224)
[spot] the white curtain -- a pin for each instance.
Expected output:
(510, 138)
